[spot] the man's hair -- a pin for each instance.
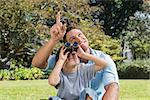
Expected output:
(70, 25)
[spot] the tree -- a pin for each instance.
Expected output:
(113, 15)
(137, 33)
(99, 41)
(17, 32)
(79, 12)
(25, 27)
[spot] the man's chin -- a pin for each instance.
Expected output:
(84, 47)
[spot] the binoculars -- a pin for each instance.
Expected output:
(71, 47)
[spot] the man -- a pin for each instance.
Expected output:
(105, 83)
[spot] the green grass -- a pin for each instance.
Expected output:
(135, 90)
(25, 90)
(39, 89)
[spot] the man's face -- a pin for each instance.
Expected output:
(75, 35)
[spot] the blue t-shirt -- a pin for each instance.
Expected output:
(102, 78)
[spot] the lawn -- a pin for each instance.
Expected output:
(40, 90)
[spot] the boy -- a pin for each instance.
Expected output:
(72, 77)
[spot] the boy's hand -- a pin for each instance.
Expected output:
(58, 30)
(80, 52)
(62, 55)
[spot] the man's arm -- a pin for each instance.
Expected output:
(40, 58)
(112, 92)
(110, 80)
(57, 32)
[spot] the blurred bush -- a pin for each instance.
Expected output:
(137, 69)
(21, 74)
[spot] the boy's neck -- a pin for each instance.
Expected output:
(70, 69)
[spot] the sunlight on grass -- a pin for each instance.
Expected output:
(25, 90)
(39, 89)
(135, 90)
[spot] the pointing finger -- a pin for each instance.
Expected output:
(64, 28)
(58, 16)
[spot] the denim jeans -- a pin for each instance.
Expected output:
(84, 93)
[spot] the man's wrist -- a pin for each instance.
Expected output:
(54, 40)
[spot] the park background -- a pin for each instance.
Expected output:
(120, 28)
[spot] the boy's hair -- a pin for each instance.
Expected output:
(70, 25)
(57, 54)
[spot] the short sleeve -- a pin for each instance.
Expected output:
(61, 81)
(51, 62)
(88, 71)
(110, 74)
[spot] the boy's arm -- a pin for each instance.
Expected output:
(99, 62)
(54, 77)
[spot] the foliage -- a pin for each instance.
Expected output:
(18, 32)
(79, 12)
(113, 15)
(137, 34)
(99, 41)
(138, 69)
(15, 31)
(25, 26)
(21, 74)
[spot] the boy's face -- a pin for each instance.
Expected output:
(76, 35)
(72, 60)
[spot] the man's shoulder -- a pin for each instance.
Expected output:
(51, 62)
(52, 56)
(101, 54)
(98, 52)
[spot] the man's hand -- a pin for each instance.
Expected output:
(58, 30)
